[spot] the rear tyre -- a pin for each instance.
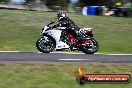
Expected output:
(90, 49)
(45, 44)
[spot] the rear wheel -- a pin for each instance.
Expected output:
(90, 48)
(45, 44)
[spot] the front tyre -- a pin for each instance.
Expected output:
(90, 48)
(45, 44)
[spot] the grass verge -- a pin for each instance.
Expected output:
(54, 75)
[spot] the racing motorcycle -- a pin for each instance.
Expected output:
(59, 39)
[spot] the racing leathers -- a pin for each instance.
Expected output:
(71, 28)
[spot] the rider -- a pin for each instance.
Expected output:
(65, 21)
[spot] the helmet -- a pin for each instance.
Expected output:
(61, 15)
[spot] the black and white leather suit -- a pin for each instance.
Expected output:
(70, 26)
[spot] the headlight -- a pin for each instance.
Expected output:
(41, 34)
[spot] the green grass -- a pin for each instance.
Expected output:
(19, 30)
(56, 75)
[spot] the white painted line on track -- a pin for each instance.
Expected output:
(68, 52)
(72, 59)
(89, 54)
(112, 54)
(9, 51)
(39, 52)
(118, 54)
(62, 52)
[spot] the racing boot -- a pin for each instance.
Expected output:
(79, 35)
(71, 47)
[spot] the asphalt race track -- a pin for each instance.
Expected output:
(63, 57)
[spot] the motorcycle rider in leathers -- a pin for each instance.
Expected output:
(69, 25)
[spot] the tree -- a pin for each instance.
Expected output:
(57, 4)
(4, 0)
(107, 3)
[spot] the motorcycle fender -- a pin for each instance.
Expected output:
(55, 34)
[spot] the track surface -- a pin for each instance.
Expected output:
(62, 57)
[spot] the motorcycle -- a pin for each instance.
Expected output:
(60, 39)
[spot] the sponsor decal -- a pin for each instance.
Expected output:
(84, 78)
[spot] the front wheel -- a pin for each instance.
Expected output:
(90, 48)
(45, 44)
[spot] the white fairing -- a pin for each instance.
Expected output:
(54, 33)
(62, 45)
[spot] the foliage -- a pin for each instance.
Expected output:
(57, 4)
(4, 0)
(29, 1)
(54, 75)
(107, 3)
(19, 30)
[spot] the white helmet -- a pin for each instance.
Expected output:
(61, 15)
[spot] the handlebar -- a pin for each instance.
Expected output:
(51, 23)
